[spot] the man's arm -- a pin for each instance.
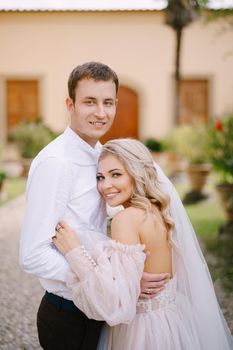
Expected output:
(47, 197)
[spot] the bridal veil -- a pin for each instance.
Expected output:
(193, 277)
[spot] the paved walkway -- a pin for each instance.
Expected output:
(20, 293)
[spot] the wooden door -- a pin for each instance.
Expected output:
(194, 101)
(126, 120)
(22, 101)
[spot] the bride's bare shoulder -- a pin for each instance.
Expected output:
(130, 215)
(125, 225)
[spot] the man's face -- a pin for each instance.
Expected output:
(94, 109)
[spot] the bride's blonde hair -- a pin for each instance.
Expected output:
(139, 163)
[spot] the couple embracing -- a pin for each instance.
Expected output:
(145, 288)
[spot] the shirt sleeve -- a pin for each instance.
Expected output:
(48, 193)
(106, 284)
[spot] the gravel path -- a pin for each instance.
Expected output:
(20, 293)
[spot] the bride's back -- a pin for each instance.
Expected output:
(154, 234)
(134, 225)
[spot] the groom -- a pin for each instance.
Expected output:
(62, 185)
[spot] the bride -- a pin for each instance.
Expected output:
(151, 234)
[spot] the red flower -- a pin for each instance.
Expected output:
(218, 125)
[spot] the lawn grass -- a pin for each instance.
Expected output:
(207, 215)
(14, 187)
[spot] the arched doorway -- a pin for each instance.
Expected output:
(126, 121)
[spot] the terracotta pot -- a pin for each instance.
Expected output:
(169, 161)
(225, 192)
(197, 174)
(3, 190)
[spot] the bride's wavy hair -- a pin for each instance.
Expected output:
(139, 163)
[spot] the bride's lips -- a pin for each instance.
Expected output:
(110, 195)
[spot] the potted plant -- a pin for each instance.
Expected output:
(163, 153)
(2, 175)
(3, 192)
(192, 143)
(2, 178)
(30, 138)
(222, 159)
(155, 147)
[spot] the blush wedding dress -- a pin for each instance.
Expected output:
(105, 282)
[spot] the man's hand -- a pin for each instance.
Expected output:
(152, 284)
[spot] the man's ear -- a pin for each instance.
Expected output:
(70, 104)
(116, 102)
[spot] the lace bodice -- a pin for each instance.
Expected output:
(164, 299)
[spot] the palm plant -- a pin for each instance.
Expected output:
(179, 13)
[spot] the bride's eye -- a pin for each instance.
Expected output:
(116, 174)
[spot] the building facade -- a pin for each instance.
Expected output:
(40, 48)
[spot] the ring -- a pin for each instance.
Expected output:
(148, 291)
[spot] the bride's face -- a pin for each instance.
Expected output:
(114, 182)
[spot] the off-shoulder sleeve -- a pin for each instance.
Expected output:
(105, 285)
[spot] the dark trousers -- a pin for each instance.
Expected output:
(62, 329)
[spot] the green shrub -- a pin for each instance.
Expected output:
(153, 145)
(2, 176)
(31, 137)
(191, 142)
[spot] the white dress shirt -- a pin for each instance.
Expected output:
(61, 186)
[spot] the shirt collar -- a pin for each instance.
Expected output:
(79, 150)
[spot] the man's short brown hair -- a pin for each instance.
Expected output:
(90, 70)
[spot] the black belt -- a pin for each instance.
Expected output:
(62, 303)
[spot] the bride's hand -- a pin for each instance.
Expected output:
(65, 239)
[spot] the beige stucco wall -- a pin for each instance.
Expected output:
(136, 44)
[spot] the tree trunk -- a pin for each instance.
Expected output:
(177, 75)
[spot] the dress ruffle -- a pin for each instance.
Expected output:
(100, 282)
(124, 248)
